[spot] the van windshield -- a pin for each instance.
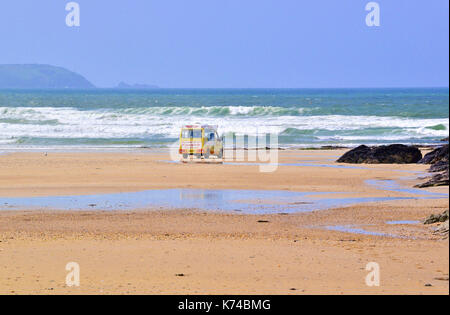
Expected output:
(191, 133)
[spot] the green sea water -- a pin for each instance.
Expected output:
(103, 118)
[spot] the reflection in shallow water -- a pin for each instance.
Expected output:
(243, 201)
(354, 230)
(305, 163)
(404, 222)
(391, 185)
(301, 164)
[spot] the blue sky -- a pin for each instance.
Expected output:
(234, 43)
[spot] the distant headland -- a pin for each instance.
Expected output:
(37, 76)
(40, 76)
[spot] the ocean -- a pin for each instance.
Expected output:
(108, 118)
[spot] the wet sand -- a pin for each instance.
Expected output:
(143, 251)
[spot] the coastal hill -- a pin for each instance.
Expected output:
(36, 76)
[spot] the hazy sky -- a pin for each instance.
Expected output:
(234, 43)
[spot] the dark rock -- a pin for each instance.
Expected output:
(263, 221)
(444, 140)
(436, 218)
(435, 156)
(440, 166)
(442, 229)
(391, 154)
(440, 179)
(357, 155)
(439, 160)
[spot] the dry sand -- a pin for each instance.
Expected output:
(143, 251)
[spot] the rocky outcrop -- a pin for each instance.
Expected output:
(436, 218)
(439, 179)
(440, 166)
(442, 220)
(435, 156)
(356, 155)
(442, 229)
(391, 154)
(438, 159)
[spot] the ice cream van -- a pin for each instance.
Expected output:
(200, 141)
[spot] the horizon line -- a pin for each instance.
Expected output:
(235, 88)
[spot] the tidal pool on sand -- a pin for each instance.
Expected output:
(403, 222)
(356, 230)
(236, 201)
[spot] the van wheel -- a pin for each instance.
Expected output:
(206, 154)
(185, 156)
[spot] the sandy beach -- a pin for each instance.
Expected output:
(158, 250)
(224, 148)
